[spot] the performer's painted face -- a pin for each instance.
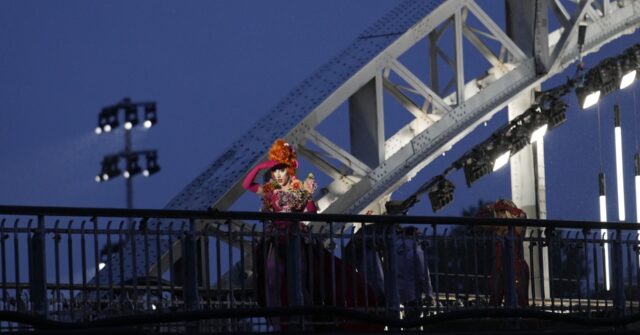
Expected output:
(280, 175)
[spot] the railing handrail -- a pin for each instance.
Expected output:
(215, 214)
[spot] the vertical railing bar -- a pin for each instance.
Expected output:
(563, 244)
(334, 298)
(427, 275)
(17, 261)
(465, 265)
(241, 240)
(510, 268)
(488, 246)
(343, 276)
(354, 276)
(83, 253)
(263, 261)
(551, 245)
(109, 264)
(476, 265)
(123, 237)
(206, 235)
(143, 224)
(4, 263)
(579, 271)
(585, 234)
(161, 304)
(72, 299)
(218, 268)
(29, 267)
(542, 243)
(56, 251)
(254, 266)
(322, 264)
(172, 276)
(629, 273)
(308, 255)
(96, 256)
(436, 267)
(134, 262)
(365, 265)
(231, 300)
(456, 275)
(596, 240)
(532, 274)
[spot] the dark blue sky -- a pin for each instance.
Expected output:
(214, 67)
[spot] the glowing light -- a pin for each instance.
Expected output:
(628, 79)
(591, 99)
(128, 125)
(98, 179)
(107, 128)
(501, 161)
(145, 173)
(153, 307)
(101, 266)
(603, 209)
(105, 177)
(98, 130)
(148, 124)
(538, 134)
(619, 174)
(126, 174)
(603, 232)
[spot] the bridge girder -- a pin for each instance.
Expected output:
(445, 114)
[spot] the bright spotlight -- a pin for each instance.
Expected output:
(98, 130)
(101, 265)
(538, 134)
(105, 177)
(128, 125)
(98, 179)
(126, 174)
(628, 79)
(591, 99)
(107, 128)
(147, 124)
(145, 173)
(502, 160)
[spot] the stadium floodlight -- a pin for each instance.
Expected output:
(587, 97)
(629, 65)
(109, 169)
(628, 79)
(109, 119)
(133, 168)
(130, 116)
(501, 160)
(441, 194)
(539, 133)
(150, 116)
(152, 164)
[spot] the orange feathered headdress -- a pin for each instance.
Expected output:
(283, 153)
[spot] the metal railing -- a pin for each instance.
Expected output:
(182, 271)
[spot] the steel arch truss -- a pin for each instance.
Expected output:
(444, 106)
(444, 111)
